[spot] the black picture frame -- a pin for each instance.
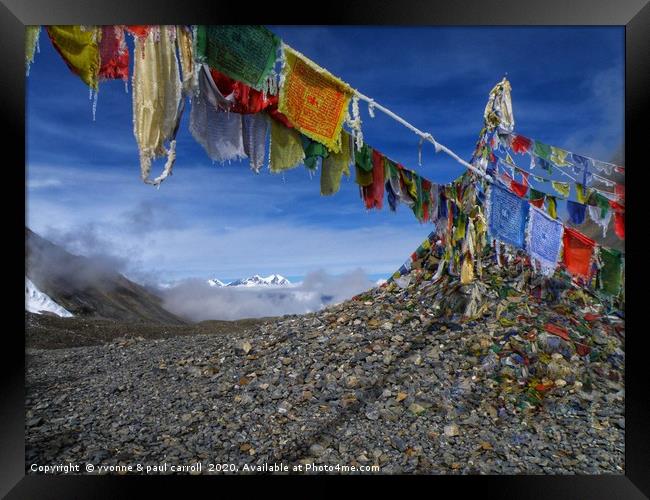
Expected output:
(633, 14)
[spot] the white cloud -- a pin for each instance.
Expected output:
(199, 226)
(44, 183)
(197, 301)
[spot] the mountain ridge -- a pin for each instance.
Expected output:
(252, 281)
(89, 288)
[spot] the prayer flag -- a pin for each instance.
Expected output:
(507, 214)
(544, 240)
(315, 101)
(578, 251)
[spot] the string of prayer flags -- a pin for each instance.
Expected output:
(611, 267)
(243, 52)
(313, 100)
(113, 54)
(577, 212)
(286, 148)
(335, 165)
(578, 252)
(157, 104)
(507, 214)
(79, 49)
(544, 240)
(31, 44)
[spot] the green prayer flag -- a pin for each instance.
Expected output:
(363, 178)
(601, 202)
(611, 270)
(363, 158)
(418, 208)
(533, 194)
(542, 150)
(246, 53)
(313, 151)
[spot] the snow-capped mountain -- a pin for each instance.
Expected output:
(38, 302)
(217, 282)
(253, 281)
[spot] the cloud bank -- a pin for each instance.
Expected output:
(195, 300)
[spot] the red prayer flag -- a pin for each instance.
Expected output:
(373, 195)
(539, 203)
(518, 188)
(113, 54)
(139, 30)
(578, 250)
(247, 100)
(619, 189)
(520, 144)
(619, 218)
(619, 224)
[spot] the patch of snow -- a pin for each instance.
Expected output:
(216, 282)
(39, 302)
(273, 280)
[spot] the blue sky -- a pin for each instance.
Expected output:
(208, 220)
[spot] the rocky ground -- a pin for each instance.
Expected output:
(395, 378)
(44, 331)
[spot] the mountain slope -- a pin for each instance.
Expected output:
(86, 287)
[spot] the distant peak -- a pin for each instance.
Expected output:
(254, 280)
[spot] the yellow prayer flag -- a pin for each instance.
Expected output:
(286, 148)
(79, 49)
(314, 101)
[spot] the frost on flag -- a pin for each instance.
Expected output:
(314, 101)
